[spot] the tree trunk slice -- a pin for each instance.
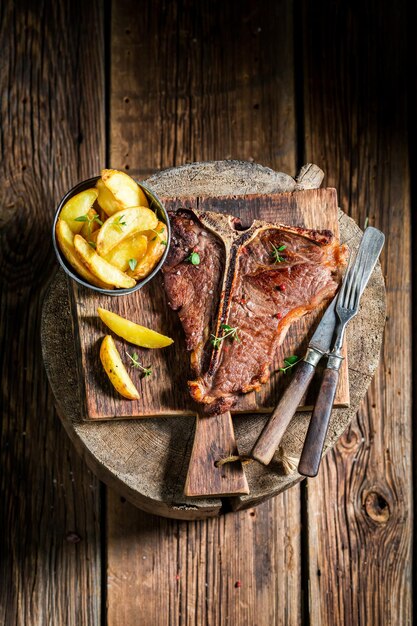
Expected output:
(146, 460)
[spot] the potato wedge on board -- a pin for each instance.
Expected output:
(115, 370)
(77, 206)
(65, 239)
(100, 267)
(156, 248)
(131, 249)
(117, 190)
(133, 333)
(123, 224)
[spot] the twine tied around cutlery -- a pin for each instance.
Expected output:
(288, 463)
(233, 459)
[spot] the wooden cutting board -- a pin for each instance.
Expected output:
(165, 392)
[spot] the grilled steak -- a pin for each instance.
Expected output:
(237, 304)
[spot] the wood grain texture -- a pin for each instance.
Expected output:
(202, 85)
(203, 95)
(202, 70)
(360, 505)
(239, 569)
(165, 393)
(51, 121)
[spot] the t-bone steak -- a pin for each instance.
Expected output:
(238, 297)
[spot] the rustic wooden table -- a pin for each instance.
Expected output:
(141, 87)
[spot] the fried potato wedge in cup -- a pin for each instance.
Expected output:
(156, 247)
(123, 224)
(100, 267)
(128, 252)
(133, 333)
(117, 190)
(77, 207)
(65, 238)
(115, 370)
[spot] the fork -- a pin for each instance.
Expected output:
(347, 306)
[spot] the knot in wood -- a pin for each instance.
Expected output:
(376, 507)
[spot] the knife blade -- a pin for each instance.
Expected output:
(320, 342)
(321, 339)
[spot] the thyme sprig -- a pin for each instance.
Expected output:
(228, 332)
(194, 258)
(146, 371)
(289, 363)
(89, 220)
(275, 253)
(117, 223)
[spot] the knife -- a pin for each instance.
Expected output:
(319, 345)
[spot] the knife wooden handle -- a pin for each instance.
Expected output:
(270, 437)
(319, 424)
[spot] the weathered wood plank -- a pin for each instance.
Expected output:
(195, 83)
(360, 506)
(237, 569)
(197, 87)
(51, 135)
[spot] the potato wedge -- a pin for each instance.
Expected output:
(130, 249)
(91, 225)
(123, 224)
(77, 206)
(133, 333)
(156, 248)
(65, 238)
(100, 267)
(117, 190)
(106, 199)
(115, 370)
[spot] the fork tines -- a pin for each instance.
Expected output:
(359, 271)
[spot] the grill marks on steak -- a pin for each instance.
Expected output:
(258, 296)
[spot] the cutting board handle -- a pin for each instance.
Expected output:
(214, 440)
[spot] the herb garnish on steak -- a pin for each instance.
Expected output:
(256, 282)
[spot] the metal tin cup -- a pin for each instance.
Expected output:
(154, 203)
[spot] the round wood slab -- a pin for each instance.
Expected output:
(146, 460)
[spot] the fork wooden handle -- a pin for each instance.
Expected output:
(319, 424)
(270, 437)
